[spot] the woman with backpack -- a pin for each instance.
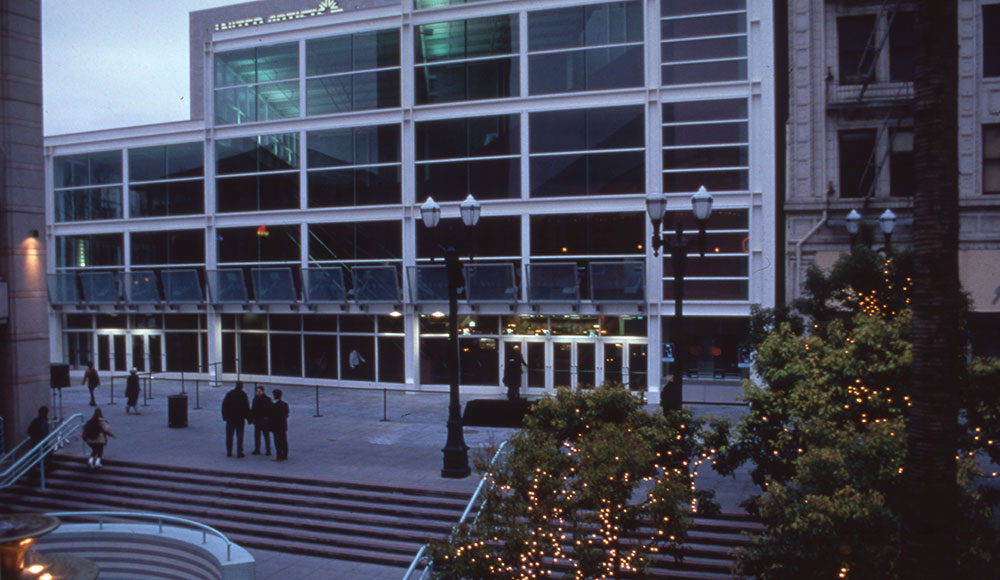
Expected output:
(95, 434)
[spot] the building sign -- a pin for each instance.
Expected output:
(325, 7)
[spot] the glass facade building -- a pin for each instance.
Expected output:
(278, 233)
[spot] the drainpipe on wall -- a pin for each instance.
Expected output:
(798, 252)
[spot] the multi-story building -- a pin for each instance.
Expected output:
(278, 231)
(851, 138)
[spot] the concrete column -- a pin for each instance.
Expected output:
(24, 337)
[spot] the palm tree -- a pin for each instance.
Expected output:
(929, 515)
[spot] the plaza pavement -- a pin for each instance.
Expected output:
(370, 436)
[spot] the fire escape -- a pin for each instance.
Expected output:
(866, 94)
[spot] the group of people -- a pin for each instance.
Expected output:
(269, 419)
(92, 379)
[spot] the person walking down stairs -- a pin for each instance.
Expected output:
(95, 434)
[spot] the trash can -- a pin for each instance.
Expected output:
(177, 411)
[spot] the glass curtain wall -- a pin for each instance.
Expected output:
(88, 186)
(459, 156)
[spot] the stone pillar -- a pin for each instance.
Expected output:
(24, 358)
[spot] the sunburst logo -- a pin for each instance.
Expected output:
(329, 5)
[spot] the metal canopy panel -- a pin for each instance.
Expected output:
(140, 287)
(617, 282)
(62, 289)
(273, 285)
(490, 283)
(181, 287)
(227, 286)
(553, 282)
(429, 283)
(375, 284)
(324, 285)
(100, 287)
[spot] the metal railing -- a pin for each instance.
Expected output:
(426, 561)
(23, 458)
(159, 518)
(3, 441)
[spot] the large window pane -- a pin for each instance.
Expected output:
(585, 26)
(492, 35)
(166, 162)
(279, 243)
(257, 192)
(321, 356)
(464, 81)
(588, 234)
(286, 355)
(855, 59)
(355, 241)
(96, 203)
(88, 251)
(354, 187)
(991, 159)
(857, 149)
(170, 247)
(167, 198)
(357, 146)
(263, 153)
(991, 40)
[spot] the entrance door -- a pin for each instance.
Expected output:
(118, 351)
(556, 362)
(147, 352)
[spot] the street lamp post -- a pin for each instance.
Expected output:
(886, 222)
(456, 452)
(678, 246)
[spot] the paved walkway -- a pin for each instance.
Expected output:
(383, 437)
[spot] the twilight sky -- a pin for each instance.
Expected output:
(115, 63)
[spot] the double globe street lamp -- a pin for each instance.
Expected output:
(678, 246)
(886, 221)
(456, 452)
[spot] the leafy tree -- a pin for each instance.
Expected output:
(594, 485)
(827, 436)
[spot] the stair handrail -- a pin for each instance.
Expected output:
(27, 457)
(3, 442)
(427, 562)
(159, 518)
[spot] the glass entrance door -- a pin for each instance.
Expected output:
(556, 362)
(147, 352)
(119, 352)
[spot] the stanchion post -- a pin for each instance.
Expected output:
(112, 402)
(182, 383)
(197, 394)
(385, 404)
(317, 402)
(150, 383)
(145, 393)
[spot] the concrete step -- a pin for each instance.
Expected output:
(358, 522)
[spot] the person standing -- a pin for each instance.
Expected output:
(132, 391)
(279, 426)
(95, 434)
(92, 380)
(38, 429)
(260, 416)
(235, 412)
(512, 373)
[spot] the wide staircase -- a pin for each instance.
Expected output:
(336, 520)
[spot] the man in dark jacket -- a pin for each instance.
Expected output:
(512, 373)
(132, 390)
(260, 416)
(92, 380)
(279, 426)
(235, 412)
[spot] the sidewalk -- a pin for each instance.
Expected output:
(350, 442)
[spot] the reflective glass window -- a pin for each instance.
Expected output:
(248, 84)
(492, 237)
(166, 180)
(458, 156)
(444, 71)
(722, 273)
(257, 173)
(89, 251)
(588, 234)
(703, 42)
(587, 152)
(364, 166)
(352, 72)
(340, 242)
(88, 186)
(275, 243)
(706, 143)
(585, 48)
(168, 247)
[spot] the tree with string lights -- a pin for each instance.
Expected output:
(592, 488)
(827, 433)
